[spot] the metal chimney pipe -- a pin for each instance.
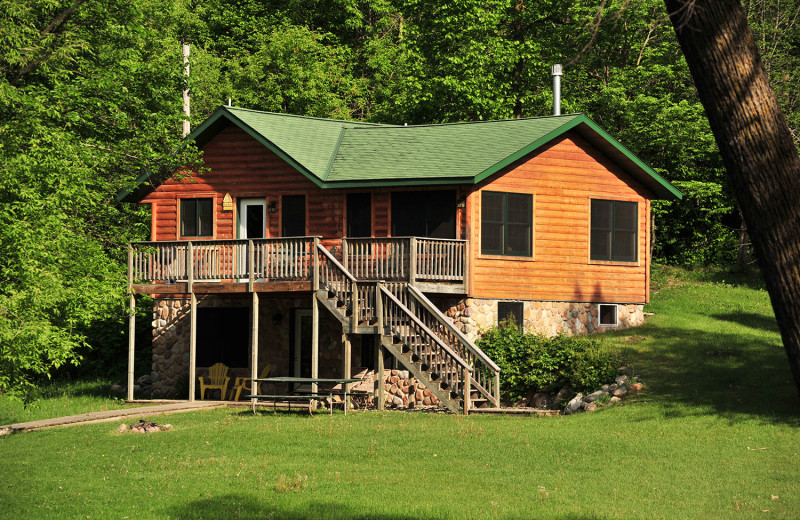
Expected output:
(186, 126)
(556, 73)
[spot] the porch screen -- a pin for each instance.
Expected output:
(293, 216)
(424, 214)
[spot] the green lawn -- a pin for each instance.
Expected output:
(715, 435)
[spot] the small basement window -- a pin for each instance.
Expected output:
(608, 315)
(509, 312)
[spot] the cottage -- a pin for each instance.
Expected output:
(312, 243)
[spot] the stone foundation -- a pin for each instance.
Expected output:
(474, 315)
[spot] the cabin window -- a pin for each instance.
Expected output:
(293, 216)
(613, 234)
(506, 223)
(429, 214)
(197, 217)
(359, 215)
(510, 312)
(607, 315)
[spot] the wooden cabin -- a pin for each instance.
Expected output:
(310, 243)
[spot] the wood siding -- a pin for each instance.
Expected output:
(563, 179)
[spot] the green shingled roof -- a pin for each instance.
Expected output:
(340, 154)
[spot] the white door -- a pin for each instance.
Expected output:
(252, 218)
(252, 224)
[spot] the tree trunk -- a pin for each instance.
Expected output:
(743, 252)
(756, 146)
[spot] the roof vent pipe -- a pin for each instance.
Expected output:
(186, 126)
(556, 73)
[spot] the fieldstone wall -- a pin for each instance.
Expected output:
(473, 315)
(401, 390)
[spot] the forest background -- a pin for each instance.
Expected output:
(90, 97)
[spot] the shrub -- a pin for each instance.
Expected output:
(536, 362)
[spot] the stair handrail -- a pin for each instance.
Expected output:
(342, 270)
(450, 352)
(421, 298)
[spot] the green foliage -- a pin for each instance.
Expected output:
(87, 102)
(536, 362)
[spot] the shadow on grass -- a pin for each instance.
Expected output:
(248, 508)
(737, 376)
(750, 319)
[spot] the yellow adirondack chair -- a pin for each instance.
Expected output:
(217, 380)
(245, 383)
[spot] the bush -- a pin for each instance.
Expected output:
(536, 362)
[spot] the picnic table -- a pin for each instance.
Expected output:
(302, 388)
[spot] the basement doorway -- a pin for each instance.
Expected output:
(223, 336)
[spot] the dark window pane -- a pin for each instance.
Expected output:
(188, 218)
(625, 216)
(492, 206)
(519, 240)
(519, 208)
(204, 218)
(625, 246)
(492, 238)
(602, 214)
(359, 215)
(293, 216)
(601, 244)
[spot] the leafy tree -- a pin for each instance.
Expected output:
(87, 101)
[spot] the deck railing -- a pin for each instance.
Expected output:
(392, 259)
(269, 259)
(406, 259)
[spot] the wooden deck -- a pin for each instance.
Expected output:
(289, 264)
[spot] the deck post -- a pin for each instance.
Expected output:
(467, 390)
(412, 261)
(379, 344)
(131, 323)
(381, 377)
(345, 254)
(131, 343)
(254, 346)
(497, 388)
(192, 344)
(347, 372)
(465, 262)
(315, 256)
(190, 268)
(251, 256)
(314, 341)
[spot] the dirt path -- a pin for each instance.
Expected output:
(110, 415)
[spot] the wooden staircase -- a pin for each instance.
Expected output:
(413, 330)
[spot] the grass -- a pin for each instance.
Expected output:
(61, 398)
(715, 435)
